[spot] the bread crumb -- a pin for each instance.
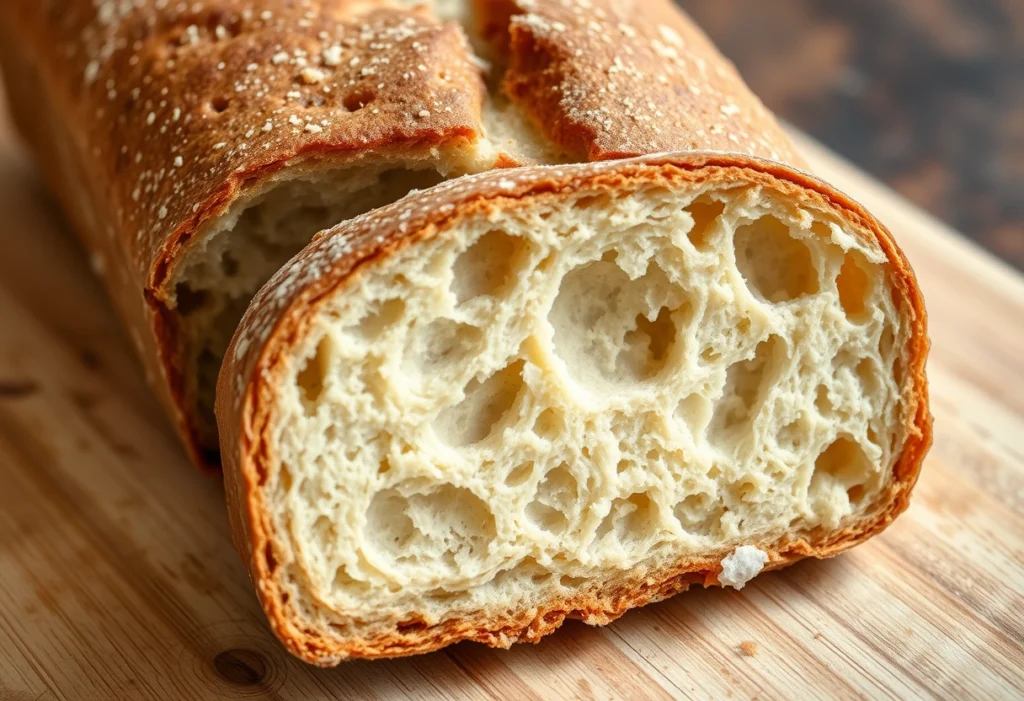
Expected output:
(742, 565)
(311, 76)
(332, 56)
(749, 648)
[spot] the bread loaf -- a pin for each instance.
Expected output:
(547, 392)
(564, 391)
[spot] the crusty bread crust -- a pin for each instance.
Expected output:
(150, 119)
(281, 313)
(612, 79)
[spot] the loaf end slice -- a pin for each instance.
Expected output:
(554, 393)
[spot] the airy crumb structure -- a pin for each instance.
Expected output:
(553, 396)
(513, 409)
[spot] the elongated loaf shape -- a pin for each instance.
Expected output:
(197, 146)
(559, 392)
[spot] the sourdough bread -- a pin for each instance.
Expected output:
(565, 392)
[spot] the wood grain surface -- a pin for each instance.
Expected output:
(118, 579)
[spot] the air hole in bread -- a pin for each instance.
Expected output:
(556, 496)
(791, 437)
(228, 264)
(285, 477)
(410, 626)
(519, 475)
(487, 267)
(323, 532)
(570, 582)
(704, 213)
(698, 513)
(612, 330)
(695, 411)
(886, 341)
(588, 201)
(648, 342)
(745, 382)
(776, 266)
(443, 525)
(856, 493)
(380, 318)
(355, 101)
(843, 473)
(747, 489)
(854, 287)
(343, 581)
(311, 377)
(549, 423)
(219, 104)
(822, 401)
(482, 407)
(440, 346)
(867, 375)
(630, 519)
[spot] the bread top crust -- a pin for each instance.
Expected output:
(607, 79)
(180, 106)
(285, 308)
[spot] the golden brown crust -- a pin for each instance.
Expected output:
(608, 79)
(150, 119)
(284, 308)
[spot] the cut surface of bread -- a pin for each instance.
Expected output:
(565, 393)
(218, 276)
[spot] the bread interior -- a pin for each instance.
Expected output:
(526, 405)
(232, 260)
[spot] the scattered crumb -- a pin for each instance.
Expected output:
(311, 76)
(749, 648)
(819, 636)
(742, 565)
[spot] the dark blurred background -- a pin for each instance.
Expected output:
(927, 95)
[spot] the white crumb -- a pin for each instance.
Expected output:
(742, 565)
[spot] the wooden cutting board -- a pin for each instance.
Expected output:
(118, 578)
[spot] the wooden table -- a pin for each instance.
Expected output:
(118, 579)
